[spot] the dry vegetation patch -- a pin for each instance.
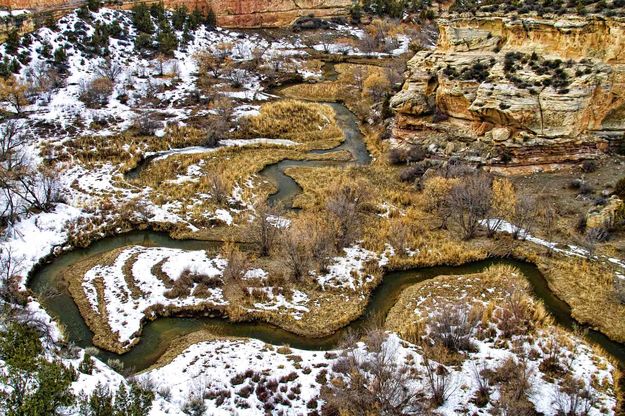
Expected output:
(299, 121)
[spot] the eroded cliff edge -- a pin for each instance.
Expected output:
(517, 91)
(229, 13)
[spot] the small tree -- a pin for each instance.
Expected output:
(469, 203)
(133, 401)
(503, 204)
(263, 228)
(375, 87)
(345, 204)
(13, 93)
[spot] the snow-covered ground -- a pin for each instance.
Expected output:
(215, 372)
(127, 298)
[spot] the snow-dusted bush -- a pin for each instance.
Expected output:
(96, 93)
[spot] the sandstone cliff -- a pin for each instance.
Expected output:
(525, 91)
(229, 13)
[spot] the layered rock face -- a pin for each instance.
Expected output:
(523, 91)
(229, 13)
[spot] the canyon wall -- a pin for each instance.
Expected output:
(229, 13)
(519, 91)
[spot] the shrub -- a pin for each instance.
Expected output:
(589, 166)
(619, 188)
(194, 406)
(452, 328)
(586, 189)
(574, 398)
(396, 156)
(146, 125)
(96, 92)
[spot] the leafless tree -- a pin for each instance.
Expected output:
(109, 69)
(469, 203)
(39, 188)
(42, 80)
(345, 206)
(12, 141)
(524, 217)
(263, 229)
(10, 264)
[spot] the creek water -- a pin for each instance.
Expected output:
(157, 335)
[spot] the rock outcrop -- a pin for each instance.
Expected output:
(519, 91)
(229, 13)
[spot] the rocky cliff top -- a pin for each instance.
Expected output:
(526, 91)
(229, 13)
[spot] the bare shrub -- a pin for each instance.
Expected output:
(216, 129)
(181, 286)
(396, 156)
(439, 381)
(469, 202)
(263, 229)
(524, 216)
(96, 93)
(453, 327)
(218, 189)
(514, 378)
(237, 265)
(619, 287)
(372, 383)
(552, 361)
(514, 316)
(574, 398)
(399, 236)
(296, 247)
(146, 125)
(412, 173)
(589, 166)
(321, 242)
(345, 205)
(482, 387)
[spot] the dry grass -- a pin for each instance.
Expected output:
(234, 167)
(346, 88)
(124, 150)
(300, 121)
(96, 321)
(587, 286)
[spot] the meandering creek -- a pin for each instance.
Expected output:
(157, 335)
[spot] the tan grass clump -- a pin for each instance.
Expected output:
(293, 120)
